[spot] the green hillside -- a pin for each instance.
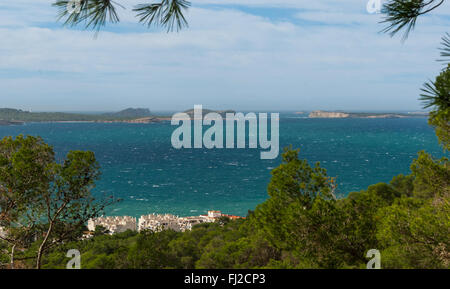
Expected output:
(10, 114)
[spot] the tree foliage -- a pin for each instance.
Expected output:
(437, 97)
(42, 202)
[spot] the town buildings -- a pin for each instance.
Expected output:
(154, 222)
(158, 223)
(113, 224)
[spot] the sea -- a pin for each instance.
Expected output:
(141, 168)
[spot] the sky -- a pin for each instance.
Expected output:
(252, 55)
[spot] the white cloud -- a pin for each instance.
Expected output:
(227, 58)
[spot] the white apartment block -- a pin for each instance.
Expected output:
(187, 223)
(113, 224)
(214, 214)
(158, 223)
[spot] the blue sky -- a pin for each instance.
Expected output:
(239, 54)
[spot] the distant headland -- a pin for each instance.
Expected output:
(7, 122)
(10, 116)
(340, 114)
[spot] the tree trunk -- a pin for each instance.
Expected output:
(49, 231)
(12, 256)
(42, 246)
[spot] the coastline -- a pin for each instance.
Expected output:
(137, 116)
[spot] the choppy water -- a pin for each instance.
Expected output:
(140, 166)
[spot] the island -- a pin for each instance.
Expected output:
(11, 116)
(340, 114)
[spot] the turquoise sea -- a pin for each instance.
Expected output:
(140, 166)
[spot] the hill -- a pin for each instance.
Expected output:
(11, 115)
(131, 113)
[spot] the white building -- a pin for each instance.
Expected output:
(158, 223)
(214, 214)
(187, 223)
(113, 224)
(2, 232)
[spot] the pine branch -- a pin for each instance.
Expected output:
(93, 13)
(167, 13)
(402, 14)
(445, 49)
(98, 12)
(431, 95)
(437, 93)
